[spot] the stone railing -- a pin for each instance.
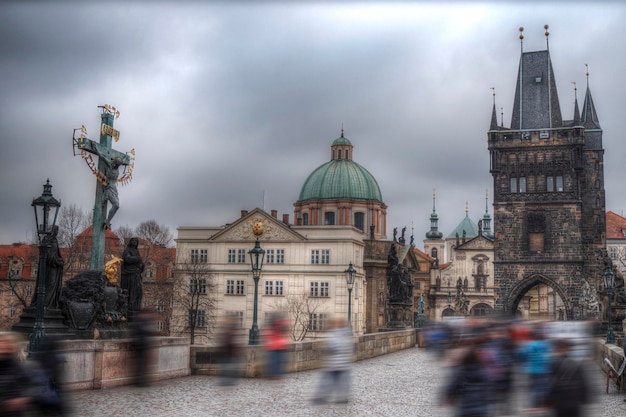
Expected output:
(301, 356)
(97, 364)
(614, 353)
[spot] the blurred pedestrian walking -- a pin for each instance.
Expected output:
(229, 351)
(337, 358)
(15, 384)
(276, 343)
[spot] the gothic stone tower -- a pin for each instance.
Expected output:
(548, 180)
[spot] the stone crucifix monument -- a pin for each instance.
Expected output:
(107, 173)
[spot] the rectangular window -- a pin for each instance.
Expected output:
(159, 326)
(236, 256)
(274, 287)
(513, 187)
(522, 184)
(197, 286)
(235, 287)
(550, 184)
(317, 322)
(305, 219)
(329, 218)
(613, 252)
(160, 306)
(559, 184)
(319, 289)
(275, 256)
(315, 256)
(325, 256)
(241, 284)
(197, 318)
(239, 315)
(195, 256)
(269, 256)
(280, 256)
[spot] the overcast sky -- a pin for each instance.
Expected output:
(231, 107)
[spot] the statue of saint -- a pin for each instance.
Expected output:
(54, 272)
(132, 267)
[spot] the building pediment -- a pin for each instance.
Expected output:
(273, 230)
(478, 243)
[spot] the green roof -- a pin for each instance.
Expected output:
(341, 141)
(340, 179)
(471, 229)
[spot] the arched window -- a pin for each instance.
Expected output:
(481, 310)
(346, 154)
(434, 252)
(305, 219)
(359, 221)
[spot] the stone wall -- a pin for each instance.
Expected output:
(615, 355)
(99, 364)
(302, 356)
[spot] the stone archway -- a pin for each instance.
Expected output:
(519, 291)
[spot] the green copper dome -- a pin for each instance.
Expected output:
(340, 180)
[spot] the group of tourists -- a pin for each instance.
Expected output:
(487, 362)
(336, 356)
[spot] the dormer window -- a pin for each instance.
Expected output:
(538, 80)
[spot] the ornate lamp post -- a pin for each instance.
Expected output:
(256, 260)
(609, 286)
(46, 209)
(350, 273)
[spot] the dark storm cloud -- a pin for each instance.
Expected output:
(231, 107)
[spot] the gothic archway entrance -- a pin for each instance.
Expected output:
(538, 298)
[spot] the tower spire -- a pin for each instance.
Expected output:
(434, 232)
(589, 116)
(546, 27)
(486, 217)
(494, 116)
(576, 111)
(521, 39)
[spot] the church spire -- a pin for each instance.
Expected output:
(576, 111)
(494, 116)
(486, 217)
(589, 116)
(434, 232)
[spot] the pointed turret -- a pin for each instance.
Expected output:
(536, 103)
(589, 116)
(434, 232)
(577, 121)
(494, 116)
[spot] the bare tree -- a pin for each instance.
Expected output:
(124, 233)
(72, 222)
(194, 298)
(154, 233)
(300, 308)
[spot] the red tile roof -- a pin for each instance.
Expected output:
(615, 226)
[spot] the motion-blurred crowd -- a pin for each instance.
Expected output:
(488, 361)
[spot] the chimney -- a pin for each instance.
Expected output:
(286, 219)
(275, 214)
(244, 213)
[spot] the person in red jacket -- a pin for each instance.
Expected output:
(276, 344)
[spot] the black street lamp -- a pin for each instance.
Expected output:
(256, 260)
(46, 209)
(350, 273)
(609, 286)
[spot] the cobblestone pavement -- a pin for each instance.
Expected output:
(404, 383)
